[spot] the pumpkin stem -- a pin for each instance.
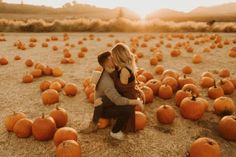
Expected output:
(214, 83)
(194, 97)
(221, 81)
(43, 115)
(184, 76)
(211, 143)
(57, 107)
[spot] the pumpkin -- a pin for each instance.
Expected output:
(86, 82)
(44, 44)
(69, 148)
(224, 106)
(191, 87)
(224, 73)
(140, 120)
(55, 85)
(84, 49)
(56, 72)
(165, 91)
(91, 98)
(29, 63)
(89, 89)
(227, 127)
(60, 116)
(54, 48)
(159, 69)
(139, 55)
(205, 103)
(165, 114)
(11, 120)
(47, 71)
(50, 96)
(70, 89)
(23, 128)
(227, 86)
(233, 80)
(153, 61)
(148, 94)
(170, 73)
(215, 91)
(17, 58)
(63, 134)
(28, 78)
(61, 81)
(67, 53)
(180, 95)
(44, 85)
(192, 108)
(232, 52)
(171, 82)
(175, 53)
(37, 73)
(205, 147)
(3, 61)
(206, 82)
(148, 75)
(81, 54)
(197, 59)
(142, 78)
(159, 56)
(43, 128)
(103, 123)
(40, 66)
(154, 84)
(207, 74)
(184, 80)
(187, 70)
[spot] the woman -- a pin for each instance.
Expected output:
(124, 77)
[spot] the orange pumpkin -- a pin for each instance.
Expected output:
(89, 89)
(224, 73)
(63, 134)
(224, 106)
(43, 128)
(56, 72)
(29, 63)
(55, 85)
(215, 92)
(81, 54)
(70, 89)
(153, 61)
(28, 78)
(233, 80)
(175, 53)
(37, 73)
(165, 91)
(47, 71)
(148, 75)
(180, 95)
(165, 114)
(205, 147)
(140, 120)
(148, 94)
(159, 69)
(227, 127)
(170, 73)
(187, 70)
(154, 84)
(206, 82)
(191, 87)
(172, 82)
(192, 108)
(142, 78)
(69, 148)
(23, 128)
(3, 61)
(227, 86)
(17, 58)
(60, 116)
(11, 120)
(50, 96)
(61, 81)
(184, 80)
(45, 85)
(91, 98)
(207, 74)
(103, 123)
(197, 59)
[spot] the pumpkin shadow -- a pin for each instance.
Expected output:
(164, 128)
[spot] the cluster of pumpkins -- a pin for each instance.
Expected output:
(54, 127)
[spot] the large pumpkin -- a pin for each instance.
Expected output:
(140, 120)
(224, 106)
(60, 116)
(227, 127)
(11, 120)
(154, 84)
(70, 89)
(50, 96)
(69, 148)
(205, 147)
(192, 108)
(43, 128)
(63, 134)
(165, 114)
(148, 94)
(23, 128)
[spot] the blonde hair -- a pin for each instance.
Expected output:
(123, 57)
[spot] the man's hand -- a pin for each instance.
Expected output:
(135, 102)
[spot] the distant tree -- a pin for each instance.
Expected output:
(67, 5)
(120, 13)
(74, 3)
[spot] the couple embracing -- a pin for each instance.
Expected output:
(116, 91)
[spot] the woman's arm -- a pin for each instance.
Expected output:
(124, 76)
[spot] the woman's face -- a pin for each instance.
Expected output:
(110, 63)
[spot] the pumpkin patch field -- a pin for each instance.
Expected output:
(188, 81)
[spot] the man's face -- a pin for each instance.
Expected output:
(109, 63)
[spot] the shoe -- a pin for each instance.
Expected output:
(119, 135)
(91, 128)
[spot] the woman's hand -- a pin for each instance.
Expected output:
(135, 102)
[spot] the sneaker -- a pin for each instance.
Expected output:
(119, 135)
(91, 128)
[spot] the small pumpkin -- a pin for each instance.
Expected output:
(29, 63)
(180, 95)
(171, 82)
(205, 147)
(191, 87)
(215, 91)
(206, 82)
(37, 73)
(227, 86)
(148, 94)
(63, 134)
(148, 75)
(184, 80)
(233, 80)
(61, 81)
(55, 85)
(224, 73)
(103, 123)
(227, 127)
(70, 89)
(140, 120)
(3, 61)
(192, 108)
(56, 72)
(159, 69)
(197, 58)
(91, 98)
(50, 96)
(153, 61)
(17, 58)
(68, 148)
(11, 120)
(165, 114)
(44, 85)
(60, 116)
(224, 106)
(165, 91)
(43, 128)
(47, 71)
(23, 128)
(170, 73)
(28, 78)
(142, 78)
(154, 84)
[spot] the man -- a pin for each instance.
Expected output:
(108, 102)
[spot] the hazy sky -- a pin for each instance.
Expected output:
(142, 7)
